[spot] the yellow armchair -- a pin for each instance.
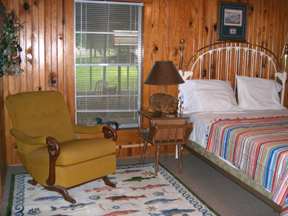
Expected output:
(49, 148)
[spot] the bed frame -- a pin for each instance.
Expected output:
(223, 61)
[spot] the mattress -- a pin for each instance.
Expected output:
(203, 120)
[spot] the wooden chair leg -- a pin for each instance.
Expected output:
(180, 160)
(108, 182)
(119, 150)
(32, 182)
(63, 191)
(157, 152)
(144, 152)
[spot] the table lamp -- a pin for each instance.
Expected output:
(163, 73)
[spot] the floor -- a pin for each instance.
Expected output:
(218, 192)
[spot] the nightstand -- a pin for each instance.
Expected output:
(165, 130)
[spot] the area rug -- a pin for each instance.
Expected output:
(138, 193)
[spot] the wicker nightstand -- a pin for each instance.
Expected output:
(165, 130)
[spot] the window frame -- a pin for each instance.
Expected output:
(139, 64)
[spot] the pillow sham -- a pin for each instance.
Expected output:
(258, 94)
(207, 95)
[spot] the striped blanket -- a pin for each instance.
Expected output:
(257, 146)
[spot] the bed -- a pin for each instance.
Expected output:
(245, 137)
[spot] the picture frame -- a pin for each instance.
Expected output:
(232, 21)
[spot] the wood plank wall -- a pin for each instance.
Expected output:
(2, 157)
(2, 142)
(48, 35)
(3, 163)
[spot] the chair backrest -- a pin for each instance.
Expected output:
(42, 113)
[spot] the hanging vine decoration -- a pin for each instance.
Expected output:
(10, 48)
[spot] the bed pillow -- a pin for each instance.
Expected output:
(207, 95)
(258, 94)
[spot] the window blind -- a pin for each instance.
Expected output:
(108, 61)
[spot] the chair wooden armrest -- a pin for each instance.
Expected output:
(109, 132)
(54, 151)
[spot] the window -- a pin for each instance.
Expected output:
(108, 61)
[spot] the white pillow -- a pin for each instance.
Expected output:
(207, 95)
(258, 94)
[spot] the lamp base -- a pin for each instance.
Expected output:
(163, 104)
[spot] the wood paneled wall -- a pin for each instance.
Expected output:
(2, 141)
(2, 134)
(48, 35)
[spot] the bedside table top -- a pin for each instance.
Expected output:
(153, 116)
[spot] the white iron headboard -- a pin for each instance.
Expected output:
(225, 60)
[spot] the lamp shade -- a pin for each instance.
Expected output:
(164, 73)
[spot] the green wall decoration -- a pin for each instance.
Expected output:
(10, 48)
(232, 21)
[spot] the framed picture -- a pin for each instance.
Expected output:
(232, 21)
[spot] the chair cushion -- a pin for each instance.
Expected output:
(78, 151)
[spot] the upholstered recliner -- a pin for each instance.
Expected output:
(48, 145)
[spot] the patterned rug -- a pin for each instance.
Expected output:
(138, 193)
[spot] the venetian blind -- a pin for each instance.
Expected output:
(108, 61)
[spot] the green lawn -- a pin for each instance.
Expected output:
(90, 78)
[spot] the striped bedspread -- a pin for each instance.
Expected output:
(257, 146)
